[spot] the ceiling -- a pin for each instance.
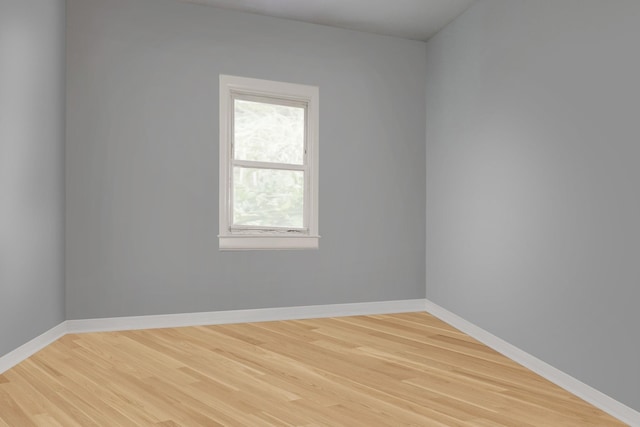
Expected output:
(411, 19)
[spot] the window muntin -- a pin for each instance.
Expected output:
(268, 167)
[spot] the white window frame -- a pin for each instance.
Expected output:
(258, 238)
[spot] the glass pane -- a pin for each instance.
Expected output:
(268, 133)
(268, 197)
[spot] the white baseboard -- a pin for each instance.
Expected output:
(567, 382)
(16, 356)
(25, 351)
(242, 316)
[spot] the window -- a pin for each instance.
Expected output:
(268, 164)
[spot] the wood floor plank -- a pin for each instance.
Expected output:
(408, 369)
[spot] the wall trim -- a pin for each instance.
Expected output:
(556, 376)
(28, 349)
(242, 316)
(111, 324)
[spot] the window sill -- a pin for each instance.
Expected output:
(257, 243)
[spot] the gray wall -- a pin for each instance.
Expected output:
(533, 205)
(142, 161)
(31, 169)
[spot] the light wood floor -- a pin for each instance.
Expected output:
(391, 370)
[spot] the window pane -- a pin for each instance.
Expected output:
(268, 133)
(268, 197)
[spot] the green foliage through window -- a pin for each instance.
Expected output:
(265, 132)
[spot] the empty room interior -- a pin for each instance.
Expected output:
(320, 213)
